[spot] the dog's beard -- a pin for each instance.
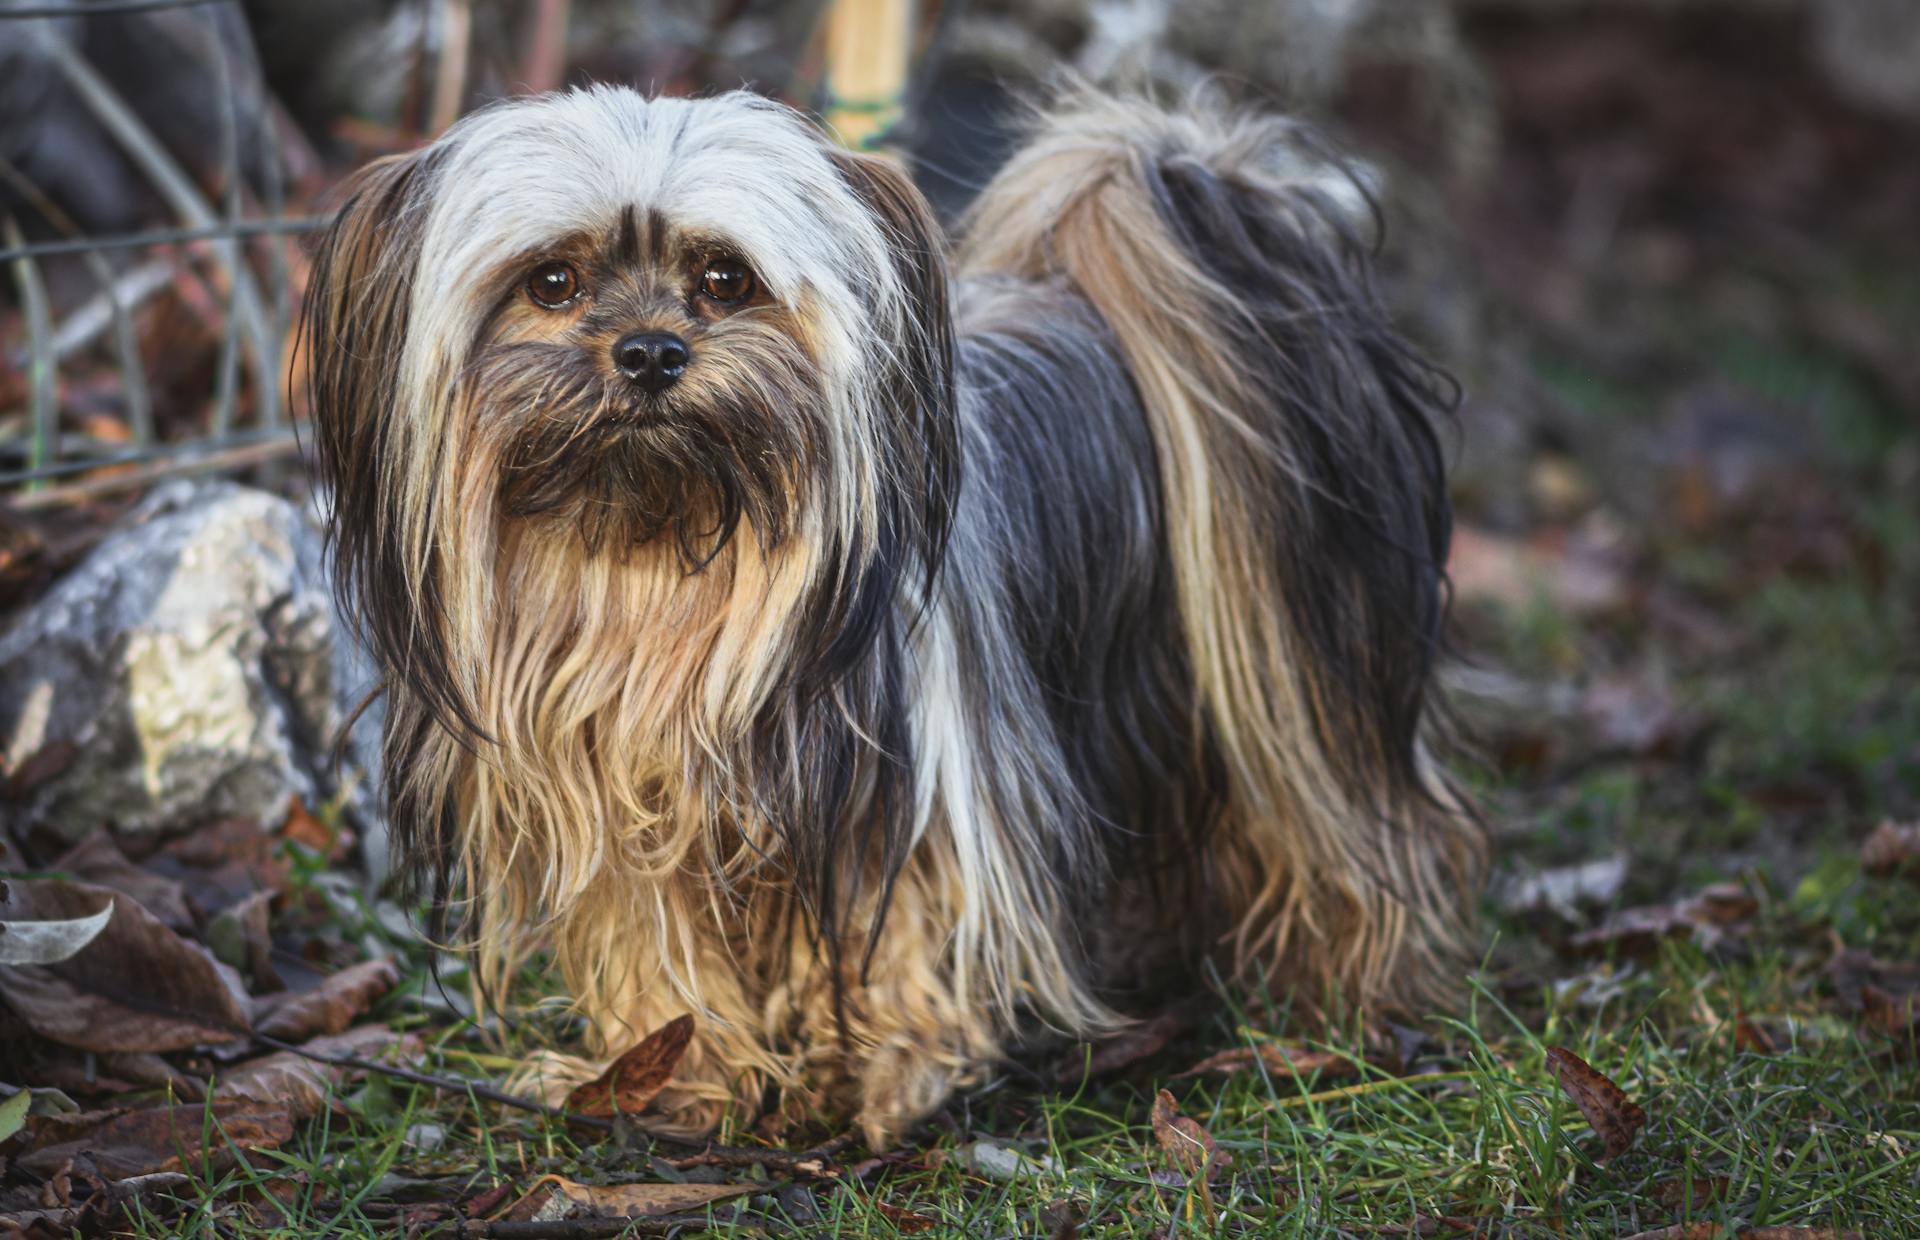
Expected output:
(623, 469)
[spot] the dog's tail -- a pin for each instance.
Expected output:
(1306, 514)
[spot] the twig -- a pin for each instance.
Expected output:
(238, 457)
(120, 295)
(582, 1228)
(126, 342)
(168, 236)
(445, 1084)
(33, 301)
(97, 8)
(179, 190)
(812, 1162)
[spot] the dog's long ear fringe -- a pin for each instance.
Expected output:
(848, 723)
(355, 321)
(355, 327)
(1307, 512)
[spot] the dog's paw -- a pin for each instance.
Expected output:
(898, 1089)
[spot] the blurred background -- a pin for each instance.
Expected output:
(1669, 246)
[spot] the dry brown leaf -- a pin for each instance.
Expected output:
(1608, 1110)
(222, 863)
(905, 1220)
(1888, 1013)
(1188, 1146)
(331, 1006)
(555, 1197)
(1748, 1036)
(172, 1138)
(1704, 915)
(302, 827)
(1130, 1046)
(294, 1082)
(1700, 1191)
(1575, 579)
(1713, 1231)
(1894, 847)
(632, 1081)
(98, 860)
(241, 936)
(137, 987)
(1281, 1059)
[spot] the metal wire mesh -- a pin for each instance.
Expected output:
(236, 245)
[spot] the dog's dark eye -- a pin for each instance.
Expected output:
(727, 281)
(553, 285)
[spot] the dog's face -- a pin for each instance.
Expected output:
(644, 376)
(614, 323)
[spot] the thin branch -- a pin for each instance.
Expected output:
(445, 1084)
(168, 236)
(97, 8)
(813, 1162)
(257, 452)
(40, 363)
(133, 377)
(585, 1228)
(179, 190)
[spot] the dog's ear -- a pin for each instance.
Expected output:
(917, 388)
(381, 473)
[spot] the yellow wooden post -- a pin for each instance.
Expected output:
(868, 45)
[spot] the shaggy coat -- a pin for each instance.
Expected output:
(965, 644)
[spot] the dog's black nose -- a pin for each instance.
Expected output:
(651, 360)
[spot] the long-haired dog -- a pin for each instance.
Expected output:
(878, 650)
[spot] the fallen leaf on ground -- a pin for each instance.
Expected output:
(240, 936)
(905, 1220)
(98, 860)
(1486, 565)
(1281, 1059)
(555, 1197)
(1564, 888)
(98, 1213)
(632, 1081)
(1714, 1231)
(299, 1084)
(1697, 1192)
(222, 863)
(1188, 1146)
(1624, 714)
(48, 942)
(137, 987)
(171, 1138)
(1748, 1036)
(13, 1113)
(302, 827)
(1130, 1046)
(1894, 847)
(329, 1007)
(1891, 1014)
(1002, 1162)
(1608, 1110)
(1706, 915)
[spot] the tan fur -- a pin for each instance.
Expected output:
(1327, 900)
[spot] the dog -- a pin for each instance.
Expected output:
(890, 649)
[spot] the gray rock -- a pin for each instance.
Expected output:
(190, 668)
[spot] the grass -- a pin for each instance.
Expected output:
(1824, 1131)
(1813, 714)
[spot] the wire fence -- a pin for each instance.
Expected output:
(231, 244)
(232, 251)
